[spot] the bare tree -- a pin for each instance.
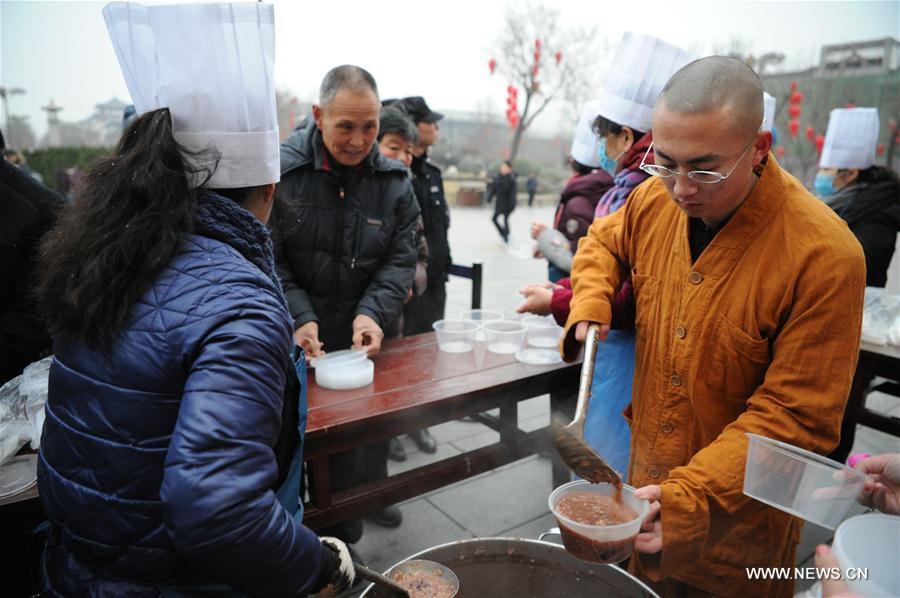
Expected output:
(545, 62)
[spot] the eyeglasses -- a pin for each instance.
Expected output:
(707, 177)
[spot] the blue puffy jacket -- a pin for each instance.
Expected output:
(157, 465)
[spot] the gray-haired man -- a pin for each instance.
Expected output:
(346, 254)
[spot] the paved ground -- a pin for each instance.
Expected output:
(512, 500)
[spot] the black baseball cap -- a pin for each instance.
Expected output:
(418, 110)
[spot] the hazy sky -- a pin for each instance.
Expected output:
(438, 49)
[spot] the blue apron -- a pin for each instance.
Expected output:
(288, 494)
(606, 429)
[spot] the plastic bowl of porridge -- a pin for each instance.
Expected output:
(595, 526)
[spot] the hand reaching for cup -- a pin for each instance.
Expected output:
(538, 298)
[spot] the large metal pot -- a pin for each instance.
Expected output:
(521, 568)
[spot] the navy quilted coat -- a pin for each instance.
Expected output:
(156, 464)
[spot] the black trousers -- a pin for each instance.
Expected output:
(426, 309)
(503, 230)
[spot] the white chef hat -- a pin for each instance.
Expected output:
(850, 139)
(586, 143)
(640, 69)
(768, 111)
(211, 65)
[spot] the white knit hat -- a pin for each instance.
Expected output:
(586, 143)
(768, 111)
(640, 69)
(211, 65)
(851, 138)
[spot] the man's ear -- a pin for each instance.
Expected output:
(762, 146)
(317, 115)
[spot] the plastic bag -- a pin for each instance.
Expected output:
(881, 317)
(22, 408)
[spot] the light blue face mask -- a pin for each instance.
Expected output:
(824, 185)
(606, 163)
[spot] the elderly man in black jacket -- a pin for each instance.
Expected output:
(346, 251)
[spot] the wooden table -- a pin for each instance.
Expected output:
(874, 360)
(417, 385)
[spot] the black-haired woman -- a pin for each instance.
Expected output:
(169, 454)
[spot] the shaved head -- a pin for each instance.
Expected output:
(717, 83)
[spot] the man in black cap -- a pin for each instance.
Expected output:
(428, 184)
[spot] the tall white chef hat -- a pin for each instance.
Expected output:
(851, 138)
(211, 65)
(768, 111)
(640, 69)
(586, 144)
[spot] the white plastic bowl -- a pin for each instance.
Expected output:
(456, 336)
(504, 336)
(543, 331)
(799, 482)
(599, 543)
(345, 374)
(872, 543)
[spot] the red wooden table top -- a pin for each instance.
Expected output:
(411, 373)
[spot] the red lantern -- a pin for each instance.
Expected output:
(794, 127)
(820, 143)
(537, 45)
(793, 86)
(851, 105)
(892, 124)
(811, 133)
(796, 97)
(780, 151)
(558, 57)
(511, 103)
(879, 149)
(513, 120)
(794, 110)
(534, 70)
(492, 64)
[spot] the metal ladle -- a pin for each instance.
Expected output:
(569, 440)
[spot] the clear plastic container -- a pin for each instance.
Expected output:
(504, 336)
(347, 356)
(599, 543)
(543, 331)
(456, 336)
(799, 482)
(481, 315)
(871, 543)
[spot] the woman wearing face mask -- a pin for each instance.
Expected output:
(639, 70)
(578, 200)
(866, 196)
